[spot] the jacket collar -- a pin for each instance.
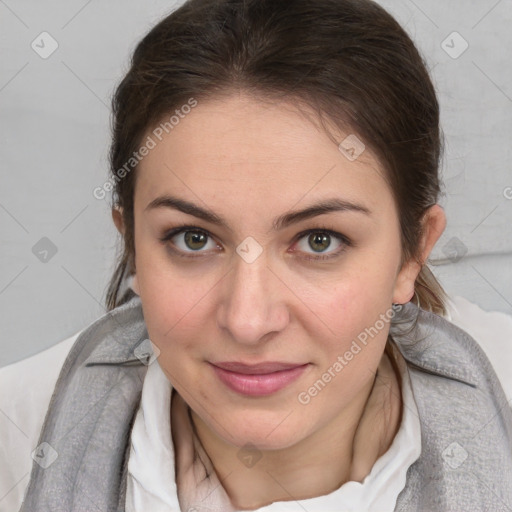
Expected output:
(121, 338)
(431, 343)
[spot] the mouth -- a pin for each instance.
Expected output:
(260, 379)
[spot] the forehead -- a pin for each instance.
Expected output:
(261, 150)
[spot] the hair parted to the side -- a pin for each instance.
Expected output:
(347, 59)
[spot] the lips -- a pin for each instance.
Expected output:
(260, 379)
(256, 369)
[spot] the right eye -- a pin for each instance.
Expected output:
(193, 240)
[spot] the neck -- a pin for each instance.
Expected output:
(355, 439)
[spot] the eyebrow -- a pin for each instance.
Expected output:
(325, 206)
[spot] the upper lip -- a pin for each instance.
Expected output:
(256, 369)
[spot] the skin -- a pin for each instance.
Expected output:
(250, 161)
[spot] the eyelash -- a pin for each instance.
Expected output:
(182, 228)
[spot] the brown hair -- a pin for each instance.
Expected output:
(347, 59)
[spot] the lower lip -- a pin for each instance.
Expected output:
(259, 385)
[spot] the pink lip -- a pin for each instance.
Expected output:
(257, 380)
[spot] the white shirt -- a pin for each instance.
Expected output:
(27, 386)
(151, 477)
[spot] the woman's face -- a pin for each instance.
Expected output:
(245, 282)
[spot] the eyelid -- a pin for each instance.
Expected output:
(179, 229)
(182, 228)
(343, 239)
(330, 231)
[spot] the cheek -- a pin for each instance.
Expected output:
(172, 326)
(351, 314)
(359, 297)
(170, 296)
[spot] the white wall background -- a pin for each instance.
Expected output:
(54, 122)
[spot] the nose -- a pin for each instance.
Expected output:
(253, 302)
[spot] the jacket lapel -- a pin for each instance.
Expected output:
(90, 416)
(466, 420)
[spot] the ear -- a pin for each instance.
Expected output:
(134, 285)
(117, 217)
(434, 223)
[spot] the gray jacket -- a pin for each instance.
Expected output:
(466, 421)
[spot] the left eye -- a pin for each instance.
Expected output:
(195, 239)
(320, 241)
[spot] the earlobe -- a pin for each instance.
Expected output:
(434, 223)
(117, 217)
(404, 284)
(134, 284)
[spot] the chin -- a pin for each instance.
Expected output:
(273, 434)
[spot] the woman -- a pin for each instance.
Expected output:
(275, 175)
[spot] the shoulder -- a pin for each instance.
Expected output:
(27, 387)
(465, 415)
(458, 344)
(492, 330)
(450, 369)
